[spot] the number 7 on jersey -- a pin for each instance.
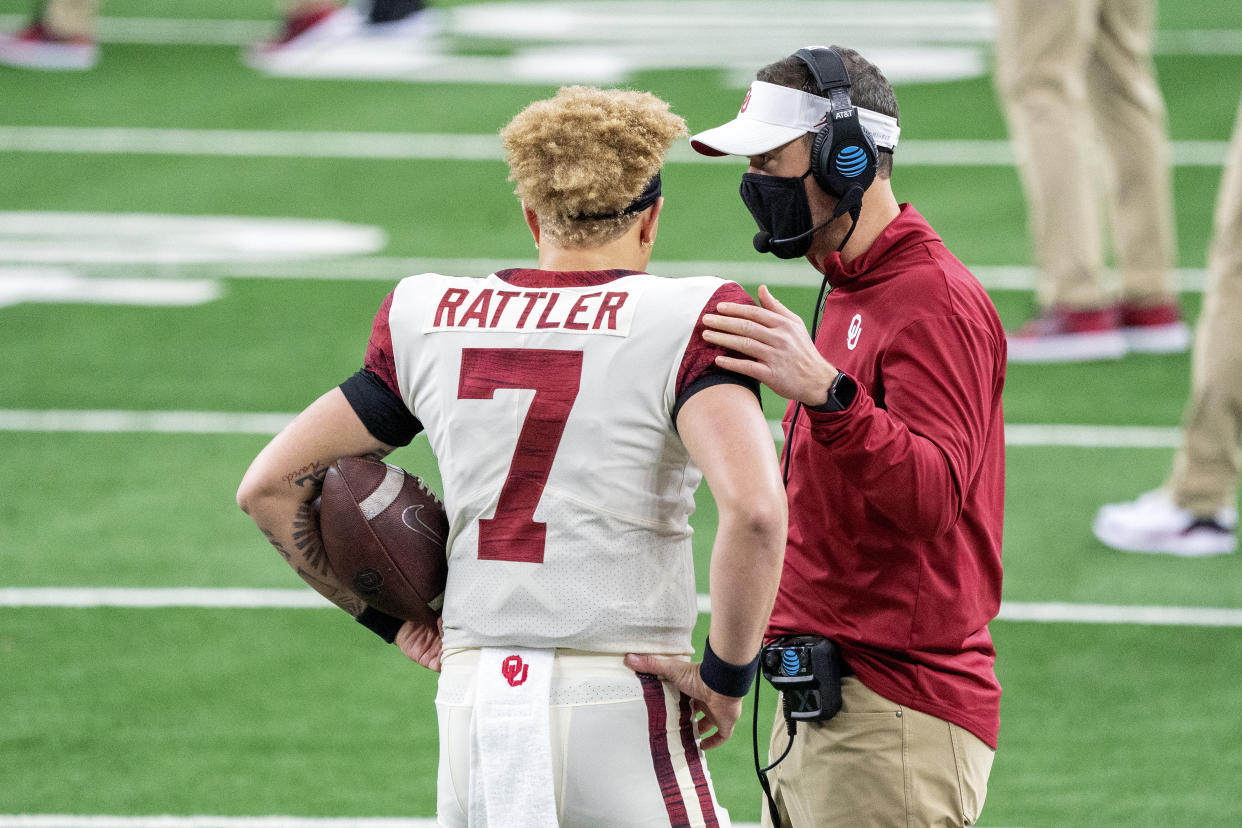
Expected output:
(555, 377)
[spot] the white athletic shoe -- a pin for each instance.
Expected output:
(342, 43)
(36, 48)
(1153, 524)
(304, 39)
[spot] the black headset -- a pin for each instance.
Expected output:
(843, 154)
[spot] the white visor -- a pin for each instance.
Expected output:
(772, 116)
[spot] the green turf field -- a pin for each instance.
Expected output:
(252, 711)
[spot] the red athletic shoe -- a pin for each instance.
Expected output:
(1157, 329)
(299, 24)
(1064, 335)
(305, 36)
(36, 48)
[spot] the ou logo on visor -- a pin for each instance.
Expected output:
(851, 337)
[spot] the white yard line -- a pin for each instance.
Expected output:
(1089, 436)
(1158, 616)
(448, 146)
(259, 143)
(157, 598)
(774, 273)
(202, 821)
(225, 422)
(238, 598)
(156, 31)
(161, 422)
(962, 22)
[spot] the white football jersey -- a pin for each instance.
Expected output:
(549, 399)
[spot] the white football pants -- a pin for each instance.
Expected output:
(623, 747)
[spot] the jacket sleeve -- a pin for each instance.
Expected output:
(915, 457)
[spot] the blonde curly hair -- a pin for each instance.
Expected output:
(588, 152)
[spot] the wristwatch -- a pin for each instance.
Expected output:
(840, 394)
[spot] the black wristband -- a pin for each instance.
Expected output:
(724, 678)
(380, 623)
(840, 394)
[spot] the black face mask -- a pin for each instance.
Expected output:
(780, 208)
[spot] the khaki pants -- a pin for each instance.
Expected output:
(76, 18)
(877, 763)
(70, 18)
(1086, 118)
(1205, 470)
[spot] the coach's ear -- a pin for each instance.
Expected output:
(532, 221)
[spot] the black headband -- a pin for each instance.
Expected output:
(649, 196)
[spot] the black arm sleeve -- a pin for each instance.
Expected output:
(716, 378)
(381, 411)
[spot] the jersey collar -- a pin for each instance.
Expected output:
(524, 277)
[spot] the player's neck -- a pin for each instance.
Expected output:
(624, 253)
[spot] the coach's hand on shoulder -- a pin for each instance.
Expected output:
(422, 643)
(718, 711)
(777, 346)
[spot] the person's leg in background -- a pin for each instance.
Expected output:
(1130, 116)
(1043, 48)
(1205, 472)
(1195, 512)
(61, 35)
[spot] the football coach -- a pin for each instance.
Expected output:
(893, 455)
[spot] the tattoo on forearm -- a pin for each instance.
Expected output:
(345, 600)
(308, 541)
(312, 474)
(280, 547)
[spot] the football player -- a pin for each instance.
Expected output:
(573, 409)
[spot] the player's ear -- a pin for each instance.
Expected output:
(650, 222)
(532, 221)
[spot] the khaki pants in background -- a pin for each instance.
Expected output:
(1086, 117)
(76, 18)
(71, 18)
(1205, 470)
(878, 764)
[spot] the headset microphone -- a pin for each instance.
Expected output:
(763, 240)
(850, 203)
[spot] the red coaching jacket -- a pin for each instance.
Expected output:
(896, 503)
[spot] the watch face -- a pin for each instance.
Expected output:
(841, 392)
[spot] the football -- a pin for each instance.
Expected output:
(384, 534)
